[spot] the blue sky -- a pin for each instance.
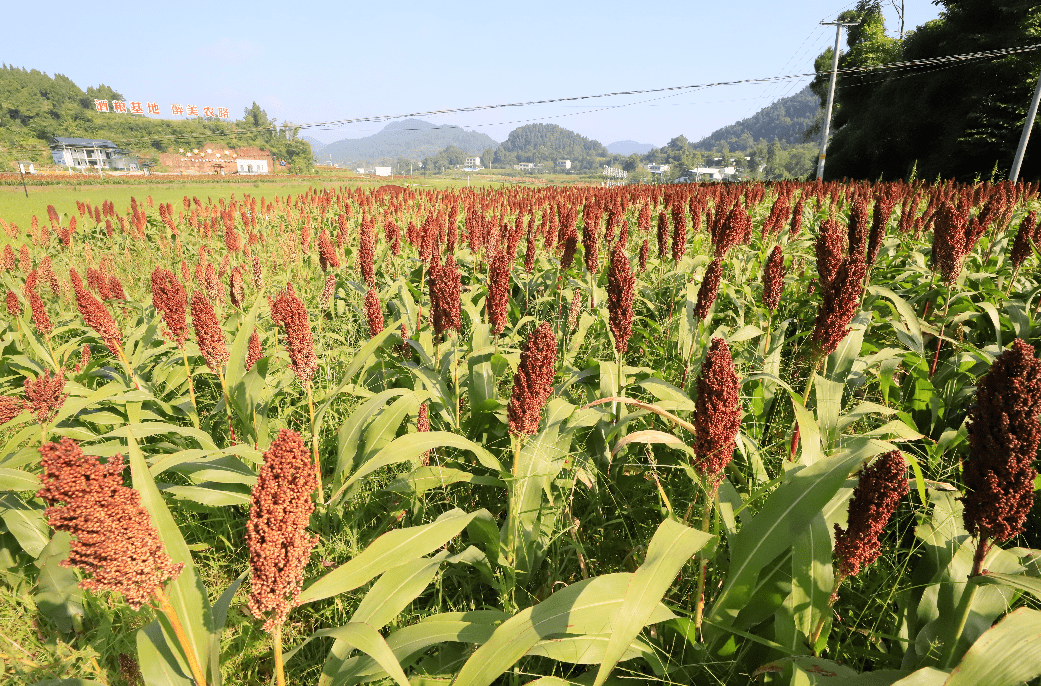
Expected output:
(313, 62)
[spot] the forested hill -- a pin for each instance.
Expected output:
(783, 121)
(547, 143)
(409, 139)
(35, 107)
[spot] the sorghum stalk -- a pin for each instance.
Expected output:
(182, 636)
(314, 441)
(939, 337)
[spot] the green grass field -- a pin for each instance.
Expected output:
(16, 207)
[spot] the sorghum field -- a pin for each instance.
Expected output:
(692, 434)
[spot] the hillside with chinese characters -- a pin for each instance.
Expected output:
(38, 108)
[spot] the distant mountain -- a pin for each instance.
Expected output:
(629, 147)
(316, 144)
(784, 120)
(412, 139)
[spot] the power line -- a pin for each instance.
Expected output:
(674, 90)
(985, 54)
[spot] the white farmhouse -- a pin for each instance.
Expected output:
(91, 153)
(251, 166)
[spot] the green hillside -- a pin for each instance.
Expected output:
(547, 143)
(784, 121)
(35, 107)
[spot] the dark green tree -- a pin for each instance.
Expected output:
(955, 122)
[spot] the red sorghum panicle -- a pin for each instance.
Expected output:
(115, 288)
(367, 252)
(498, 291)
(533, 382)
(950, 243)
(574, 309)
(591, 239)
(170, 300)
(276, 534)
(236, 287)
(114, 542)
(885, 201)
(879, 490)
(327, 252)
(84, 358)
(328, 290)
(253, 351)
(129, 670)
(95, 315)
(840, 302)
(1021, 248)
(679, 231)
(829, 248)
(1003, 439)
(289, 312)
(8, 261)
(645, 251)
(773, 279)
(423, 419)
(422, 426)
(44, 395)
(212, 284)
(14, 306)
(208, 333)
(857, 230)
(620, 294)
(373, 312)
(445, 293)
(569, 243)
(40, 319)
(709, 289)
(406, 349)
(258, 277)
(735, 229)
(10, 408)
(717, 412)
(663, 235)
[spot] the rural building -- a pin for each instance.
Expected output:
(525, 166)
(91, 153)
(472, 162)
(250, 166)
(713, 173)
(214, 158)
(382, 171)
(563, 164)
(658, 168)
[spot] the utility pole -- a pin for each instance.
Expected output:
(831, 91)
(1027, 126)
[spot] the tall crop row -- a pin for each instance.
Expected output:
(784, 433)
